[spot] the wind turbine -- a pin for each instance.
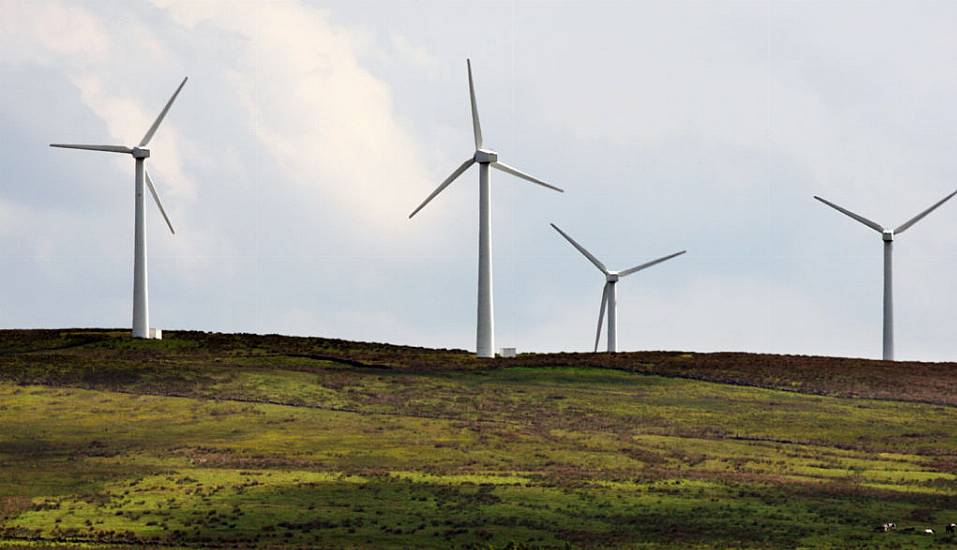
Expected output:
(609, 294)
(485, 333)
(139, 152)
(888, 236)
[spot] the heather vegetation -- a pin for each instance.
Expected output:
(268, 441)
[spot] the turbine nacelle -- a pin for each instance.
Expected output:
(485, 156)
(887, 235)
(608, 291)
(138, 151)
(480, 156)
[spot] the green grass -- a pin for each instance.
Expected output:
(226, 440)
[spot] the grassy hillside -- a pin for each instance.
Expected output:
(242, 440)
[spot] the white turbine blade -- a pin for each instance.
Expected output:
(516, 172)
(601, 314)
(581, 249)
(873, 225)
(638, 268)
(476, 125)
(107, 148)
(458, 172)
(920, 216)
(149, 183)
(149, 133)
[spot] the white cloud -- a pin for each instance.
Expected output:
(416, 55)
(44, 32)
(328, 122)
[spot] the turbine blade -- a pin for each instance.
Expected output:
(601, 314)
(149, 183)
(458, 172)
(637, 268)
(581, 249)
(108, 148)
(149, 133)
(476, 125)
(516, 172)
(920, 216)
(873, 225)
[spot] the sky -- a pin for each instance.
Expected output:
(308, 131)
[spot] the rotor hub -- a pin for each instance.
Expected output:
(140, 153)
(485, 156)
(612, 277)
(888, 235)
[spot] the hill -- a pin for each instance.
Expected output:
(270, 441)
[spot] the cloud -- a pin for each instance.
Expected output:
(329, 123)
(418, 56)
(46, 32)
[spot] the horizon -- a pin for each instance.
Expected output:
(471, 352)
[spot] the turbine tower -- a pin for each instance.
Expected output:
(485, 333)
(139, 152)
(609, 294)
(888, 237)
